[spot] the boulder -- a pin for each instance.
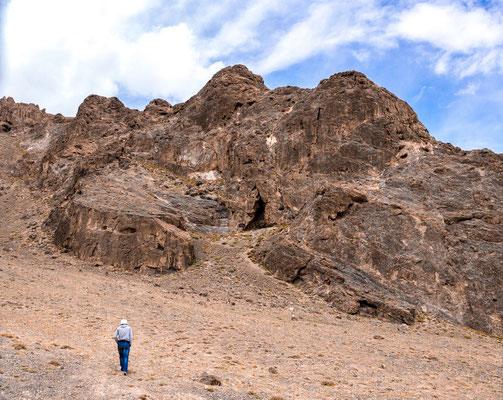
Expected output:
(129, 240)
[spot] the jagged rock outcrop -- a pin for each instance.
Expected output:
(21, 117)
(379, 218)
(130, 240)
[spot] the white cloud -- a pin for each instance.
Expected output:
(164, 63)
(58, 52)
(469, 38)
(442, 64)
(450, 27)
(361, 55)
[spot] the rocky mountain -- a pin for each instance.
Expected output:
(372, 213)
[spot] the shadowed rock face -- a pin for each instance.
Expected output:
(128, 240)
(377, 216)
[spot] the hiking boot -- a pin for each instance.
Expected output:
(125, 373)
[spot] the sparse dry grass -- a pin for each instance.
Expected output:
(8, 335)
(55, 363)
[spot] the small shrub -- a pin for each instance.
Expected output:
(8, 335)
(420, 318)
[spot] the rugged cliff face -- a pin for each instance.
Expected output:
(376, 216)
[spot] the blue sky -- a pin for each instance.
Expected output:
(445, 57)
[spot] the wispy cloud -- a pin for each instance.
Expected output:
(361, 55)
(418, 96)
(327, 25)
(241, 34)
(470, 89)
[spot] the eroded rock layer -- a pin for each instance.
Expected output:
(128, 240)
(377, 216)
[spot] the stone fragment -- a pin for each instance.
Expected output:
(209, 379)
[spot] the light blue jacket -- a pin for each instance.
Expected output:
(124, 332)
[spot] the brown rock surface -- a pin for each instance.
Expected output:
(377, 216)
(127, 239)
(21, 117)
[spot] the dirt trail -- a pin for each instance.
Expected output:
(263, 338)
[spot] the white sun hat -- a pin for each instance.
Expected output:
(124, 321)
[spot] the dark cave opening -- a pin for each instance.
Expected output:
(258, 221)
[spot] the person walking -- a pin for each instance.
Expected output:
(124, 337)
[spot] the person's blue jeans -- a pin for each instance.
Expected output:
(124, 347)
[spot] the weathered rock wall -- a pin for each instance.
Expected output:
(423, 241)
(131, 241)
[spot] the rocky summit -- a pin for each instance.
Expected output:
(363, 207)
